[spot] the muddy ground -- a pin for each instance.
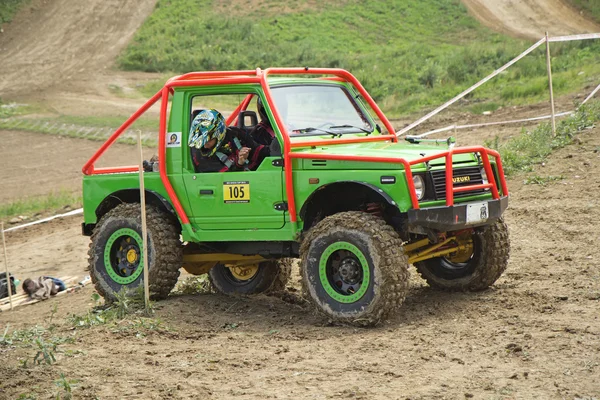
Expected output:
(533, 335)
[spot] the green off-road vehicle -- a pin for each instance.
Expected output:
(340, 191)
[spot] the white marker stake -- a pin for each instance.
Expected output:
(144, 232)
(8, 281)
(549, 67)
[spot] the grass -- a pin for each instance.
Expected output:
(410, 55)
(8, 9)
(590, 7)
(144, 123)
(11, 109)
(533, 147)
(43, 341)
(82, 130)
(28, 207)
(32, 206)
(542, 180)
(126, 305)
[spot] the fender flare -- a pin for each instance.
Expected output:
(374, 188)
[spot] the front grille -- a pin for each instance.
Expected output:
(474, 178)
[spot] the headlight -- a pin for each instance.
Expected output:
(419, 186)
(484, 177)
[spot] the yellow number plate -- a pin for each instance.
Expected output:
(236, 192)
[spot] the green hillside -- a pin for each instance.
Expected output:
(589, 7)
(409, 54)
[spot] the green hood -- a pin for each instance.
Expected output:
(401, 149)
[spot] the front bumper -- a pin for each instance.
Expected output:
(452, 218)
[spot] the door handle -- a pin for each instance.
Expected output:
(206, 191)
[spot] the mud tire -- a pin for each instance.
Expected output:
(272, 277)
(489, 261)
(165, 252)
(385, 259)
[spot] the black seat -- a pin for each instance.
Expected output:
(241, 121)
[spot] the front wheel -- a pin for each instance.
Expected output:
(116, 256)
(354, 269)
(266, 277)
(477, 267)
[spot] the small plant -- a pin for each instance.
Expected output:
(27, 396)
(127, 303)
(193, 285)
(5, 340)
(45, 352)
(51, 326)
(67, 386)
(24, 336)
(542, 180)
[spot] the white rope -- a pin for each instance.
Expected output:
(68, 214)
(585, 36)
(469, 90)
(516, 121)
(591, 95)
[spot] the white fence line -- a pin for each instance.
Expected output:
(77, 131)
(469, 90)
(591, 94)
(514, 121)
(488, 78)
(39, 221)
(585, 36)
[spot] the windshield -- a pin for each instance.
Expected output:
(319, 109)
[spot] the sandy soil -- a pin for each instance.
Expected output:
(534, 335)
(530, 19)
(35, 164)
(60, 54)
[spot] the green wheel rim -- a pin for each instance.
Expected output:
(334, 292)
(111, 263)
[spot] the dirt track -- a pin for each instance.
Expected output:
(530, 19)
(60, 54)
(534, 335)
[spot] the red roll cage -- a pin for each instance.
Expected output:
(260, 77)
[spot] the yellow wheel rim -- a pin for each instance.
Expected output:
(243, 272)
(465, 251)
(132, 256)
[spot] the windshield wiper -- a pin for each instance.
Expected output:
(351, 126)
(310, 131)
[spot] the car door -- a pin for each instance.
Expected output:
(237, 200)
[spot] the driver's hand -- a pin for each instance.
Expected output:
(243, 155)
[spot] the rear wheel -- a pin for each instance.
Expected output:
(265, 277)
(478, 266)
(354, 269)
(116, 256)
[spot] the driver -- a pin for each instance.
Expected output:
(218, 148)
(263, 131)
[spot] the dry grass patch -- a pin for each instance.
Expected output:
(273, 7)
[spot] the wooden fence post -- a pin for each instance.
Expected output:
(549, 66)
(144, 232)
(8, 281)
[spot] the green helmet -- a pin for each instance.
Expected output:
(207, 125)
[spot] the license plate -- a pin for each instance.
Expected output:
(236, 192)
(477, 212)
